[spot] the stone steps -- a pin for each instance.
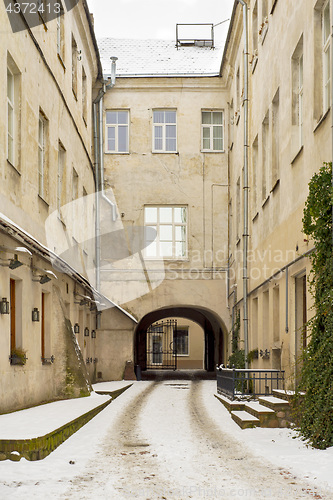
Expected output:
(267, 411)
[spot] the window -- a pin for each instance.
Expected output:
(326, 32)
(117, 123)
(42, 127)
(297, 97)
(75, 185)
(61, 170)
(84, 96)
(180, 341)
(265, 158)
(255, 28)
(254, 176)
(170, 224)
(275, 138)
(13, 112)
(164, 131)
(10, 117)
(60, 33)
(74, 67)
(212, 131)
(238, 209)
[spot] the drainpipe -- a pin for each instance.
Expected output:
(99, 165)
(245, 184)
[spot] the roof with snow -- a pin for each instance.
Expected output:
(140, 58)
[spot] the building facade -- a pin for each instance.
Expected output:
(289, 138)
(49, 65)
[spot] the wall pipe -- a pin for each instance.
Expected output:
(245, 184)
(99, 165)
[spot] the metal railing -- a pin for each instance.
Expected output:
(235, 382)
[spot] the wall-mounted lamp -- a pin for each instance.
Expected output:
(4, 306)
(76, 328)
(86, 332)
(14, 263)
(93, 334)
(44, 279)
(35, 314)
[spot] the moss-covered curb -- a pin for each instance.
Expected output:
(38, 448)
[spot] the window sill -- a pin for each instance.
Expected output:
(321, 120)
(166, 152)
(116, 153)
(255, 217)
(14, 168)
(273, 6)
(45, 203)
(212, 151)
(231, 146)
(61, 62)
(170, 260)
(277, 183)
(264, 203)
(254, 63)
(297, 154)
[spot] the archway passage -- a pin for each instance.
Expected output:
(213, 328)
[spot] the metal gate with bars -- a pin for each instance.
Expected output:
(162, 345)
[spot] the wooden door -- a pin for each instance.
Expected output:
(12, 316)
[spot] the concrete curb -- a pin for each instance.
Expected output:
(38, 448)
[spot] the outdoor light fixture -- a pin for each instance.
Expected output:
(14, 263)
(4, 306)
(35, 314)
(86, 332)
(76, 328)
(44, 279)
(93, 334)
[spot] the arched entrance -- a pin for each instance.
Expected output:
(213, 327)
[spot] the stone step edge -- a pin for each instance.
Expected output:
(40, 447)
(259, 410)
(274, 402)
(229, 404)
(244, 419)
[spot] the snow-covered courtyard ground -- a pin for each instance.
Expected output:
(172, 440)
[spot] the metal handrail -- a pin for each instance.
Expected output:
(240, 382)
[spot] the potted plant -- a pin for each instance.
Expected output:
(18, 356)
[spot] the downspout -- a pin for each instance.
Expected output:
(245, 184)
(99, 165)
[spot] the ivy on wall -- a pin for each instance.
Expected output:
(315, 414)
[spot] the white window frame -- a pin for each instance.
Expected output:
(211, 127)
(158, 253)
(41, 155)
(164, 126)
(186, 329)
(11, 132)
(326, 48)
(116, 127)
